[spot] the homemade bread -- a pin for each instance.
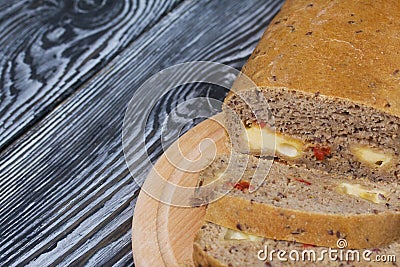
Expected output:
(330, 73)
(297, 204)
(216, 246)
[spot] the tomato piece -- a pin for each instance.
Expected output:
(321, 152)
(303, 181)
(242, 185)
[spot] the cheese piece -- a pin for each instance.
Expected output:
(370, 156)
(266, 140)
(236, 235)
(376, 196)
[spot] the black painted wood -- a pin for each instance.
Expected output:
(67, 197)
(49, 48)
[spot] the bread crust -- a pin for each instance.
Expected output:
(340, 49)
(321, 229)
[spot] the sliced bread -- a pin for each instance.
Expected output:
(330, 73)
(217, 246)
(297, 204)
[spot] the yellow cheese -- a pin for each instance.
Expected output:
(266, 140)
(376, 196)
(370, 156)
(236, 235)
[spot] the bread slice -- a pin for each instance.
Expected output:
(216, 246)
(330, 73)
(297, 204)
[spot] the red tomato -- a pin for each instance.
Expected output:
(321, 152)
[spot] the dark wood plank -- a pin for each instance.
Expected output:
(49, 48)
(66, 194)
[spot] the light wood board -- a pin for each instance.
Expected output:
(162, 234)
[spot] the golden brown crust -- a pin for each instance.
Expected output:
(321, 229)
(341, 49)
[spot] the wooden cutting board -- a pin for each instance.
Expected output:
(162, 234)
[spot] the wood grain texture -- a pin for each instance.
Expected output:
(49, 48)
(66, 194)
(163, 234)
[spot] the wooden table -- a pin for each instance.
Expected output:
(68, 69)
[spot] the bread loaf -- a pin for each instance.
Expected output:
(307, 206)
(330, 73)
(213, 247)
